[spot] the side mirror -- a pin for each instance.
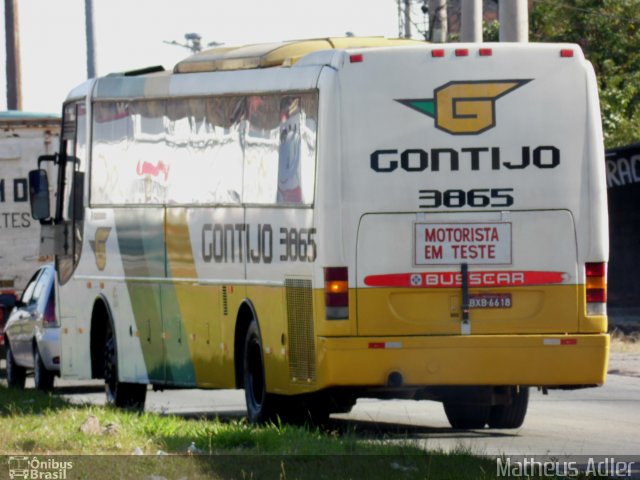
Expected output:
(39, 194)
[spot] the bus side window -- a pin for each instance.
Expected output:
(297, 149)
(289, 189)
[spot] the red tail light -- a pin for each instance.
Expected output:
(336, 293)
(596, 288)
(49, 317)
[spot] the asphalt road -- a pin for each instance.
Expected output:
(596, 421)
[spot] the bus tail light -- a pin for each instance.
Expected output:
(336, 292)
(596, 288)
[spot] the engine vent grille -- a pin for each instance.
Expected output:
(302, 351)
(225, 304)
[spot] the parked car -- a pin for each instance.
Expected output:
(32, 333)
(7, 302)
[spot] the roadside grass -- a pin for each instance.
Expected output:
(625, 342)
(37, 425)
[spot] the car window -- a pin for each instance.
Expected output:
(27, 294)
(41, 290)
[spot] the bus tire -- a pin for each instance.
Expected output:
(316, 415)
(42, 377)
(466, 415)
(120, 394)
(511, 415)
(16, 375)
(260, 404)
(303, 410)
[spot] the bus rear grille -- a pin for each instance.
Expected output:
(302, 351)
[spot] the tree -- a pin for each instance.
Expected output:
(609, 33)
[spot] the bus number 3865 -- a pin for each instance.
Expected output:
(477, 198)
(299, 244)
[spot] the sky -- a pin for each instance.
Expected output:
(130, 34)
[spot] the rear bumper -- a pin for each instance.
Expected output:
(538, 360)
(48, 340)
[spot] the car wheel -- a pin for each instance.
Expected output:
(16, 375)
(42, 377)
(120, 394)
(260, 404)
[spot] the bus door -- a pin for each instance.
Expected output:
(67, 227)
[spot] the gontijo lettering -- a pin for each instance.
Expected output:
(240, 242)
(471, 159)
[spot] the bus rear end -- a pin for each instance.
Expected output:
(474, 230)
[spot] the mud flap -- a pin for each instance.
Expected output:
(465, 325)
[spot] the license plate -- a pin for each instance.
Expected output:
(490, 300)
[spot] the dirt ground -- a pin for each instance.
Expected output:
(627, 364)
(624, 356)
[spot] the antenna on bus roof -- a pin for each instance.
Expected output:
(193, 42)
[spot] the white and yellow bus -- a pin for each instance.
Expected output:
(323, 220)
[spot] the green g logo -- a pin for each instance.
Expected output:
(464, 108)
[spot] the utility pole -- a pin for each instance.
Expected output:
(514, 20)
(407, 18)
(438, 30)
(91, 39)
(14, 73)
(471, 28)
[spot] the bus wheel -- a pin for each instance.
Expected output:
(120, 394)
(511, 415)
(16, 375)
(303, 410)
(259, 403)
(316, 416)
(467, 415)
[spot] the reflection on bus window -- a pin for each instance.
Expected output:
(289, 190)
(257, 149)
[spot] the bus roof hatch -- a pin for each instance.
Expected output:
(280, 54)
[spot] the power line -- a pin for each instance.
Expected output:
(404, 14)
